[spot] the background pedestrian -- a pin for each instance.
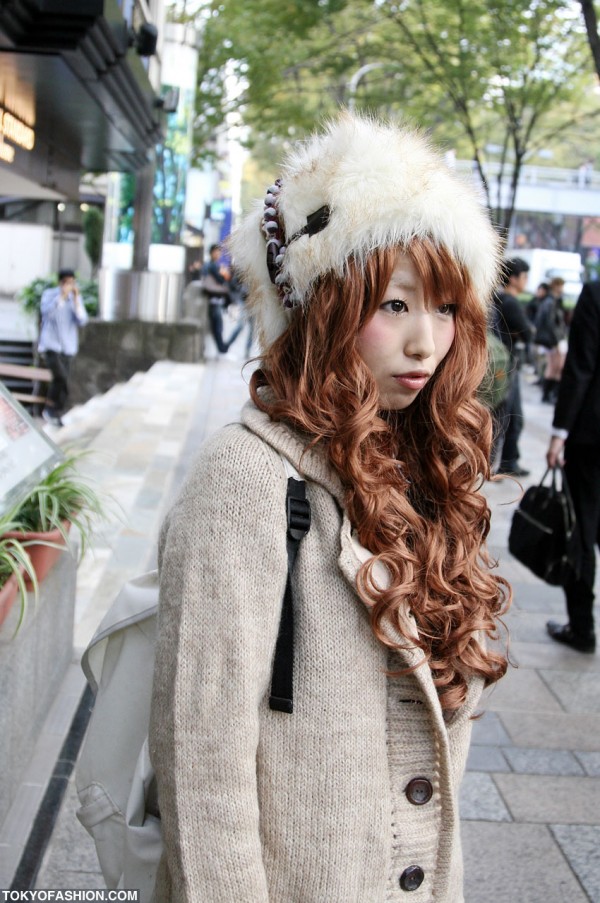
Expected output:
(62, 315)
(550, 334)
(513, 328)
(217, 288)
(576, 437)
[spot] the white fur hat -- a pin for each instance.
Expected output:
(383, 185)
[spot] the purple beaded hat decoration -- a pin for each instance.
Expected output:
(275, 237)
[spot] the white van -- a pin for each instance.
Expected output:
(546, 264)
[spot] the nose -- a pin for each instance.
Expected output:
(420, 340)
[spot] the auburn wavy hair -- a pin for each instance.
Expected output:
(412, 477)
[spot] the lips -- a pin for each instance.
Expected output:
(413, 381)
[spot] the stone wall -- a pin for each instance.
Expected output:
(111, 352)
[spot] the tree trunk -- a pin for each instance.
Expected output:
(591, 26)
(142, 216)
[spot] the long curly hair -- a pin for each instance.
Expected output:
(412, 477)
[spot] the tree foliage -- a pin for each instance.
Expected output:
(511, 75)
(504, 65)
(93, 229)
(244, 63)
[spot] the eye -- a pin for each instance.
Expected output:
(447, 310)
(394, 307)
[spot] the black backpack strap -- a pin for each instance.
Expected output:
(298, 525)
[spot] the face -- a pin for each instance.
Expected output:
(519, 283)
(67, 285)
(407, 338)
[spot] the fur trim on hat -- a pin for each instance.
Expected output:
(384, 185)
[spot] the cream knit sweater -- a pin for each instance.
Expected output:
(264, 807)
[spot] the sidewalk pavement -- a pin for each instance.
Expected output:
(530, 802)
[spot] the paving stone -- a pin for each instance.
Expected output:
(521, 689)
(550, 799)
(514, 863)
(131, 462)
(129, 551)
(486, 758)
(73, 848)
(9, 860)
(156, 479)
(149, 498)
(163, 463)
(578, 691)
(581, 846)
(590, 762)
(556, 730)
(168, 450)
(516, 573)
(529, 627)
(544, 655)
(489, 731)
(17, 824)
(146, 523)
(542, 761)
(536, 599)
(480, 800)
(76, 880)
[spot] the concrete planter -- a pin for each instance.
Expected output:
(32, 666)
(111, 352)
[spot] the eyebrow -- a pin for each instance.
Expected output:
(401, 283)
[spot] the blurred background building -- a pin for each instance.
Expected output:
(80, 94)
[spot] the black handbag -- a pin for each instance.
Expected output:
(543, 533)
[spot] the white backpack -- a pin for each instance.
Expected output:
(114, 775)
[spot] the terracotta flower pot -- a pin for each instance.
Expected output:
(43, 557)
(8, 594)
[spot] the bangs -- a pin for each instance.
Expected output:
(441, 275)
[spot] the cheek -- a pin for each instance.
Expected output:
(372, 339)
(445, 340)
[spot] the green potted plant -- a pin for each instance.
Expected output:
(61, 499)
(15, 569)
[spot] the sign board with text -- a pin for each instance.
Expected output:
(26, 453)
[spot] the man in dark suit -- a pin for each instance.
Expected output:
(512, 326)
(576, 436)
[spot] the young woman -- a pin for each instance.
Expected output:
(369, 268)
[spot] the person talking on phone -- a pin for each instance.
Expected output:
(62, 315)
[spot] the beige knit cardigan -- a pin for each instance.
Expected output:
(263, 807)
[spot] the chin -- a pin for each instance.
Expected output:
(389, 404)
(397, 401)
